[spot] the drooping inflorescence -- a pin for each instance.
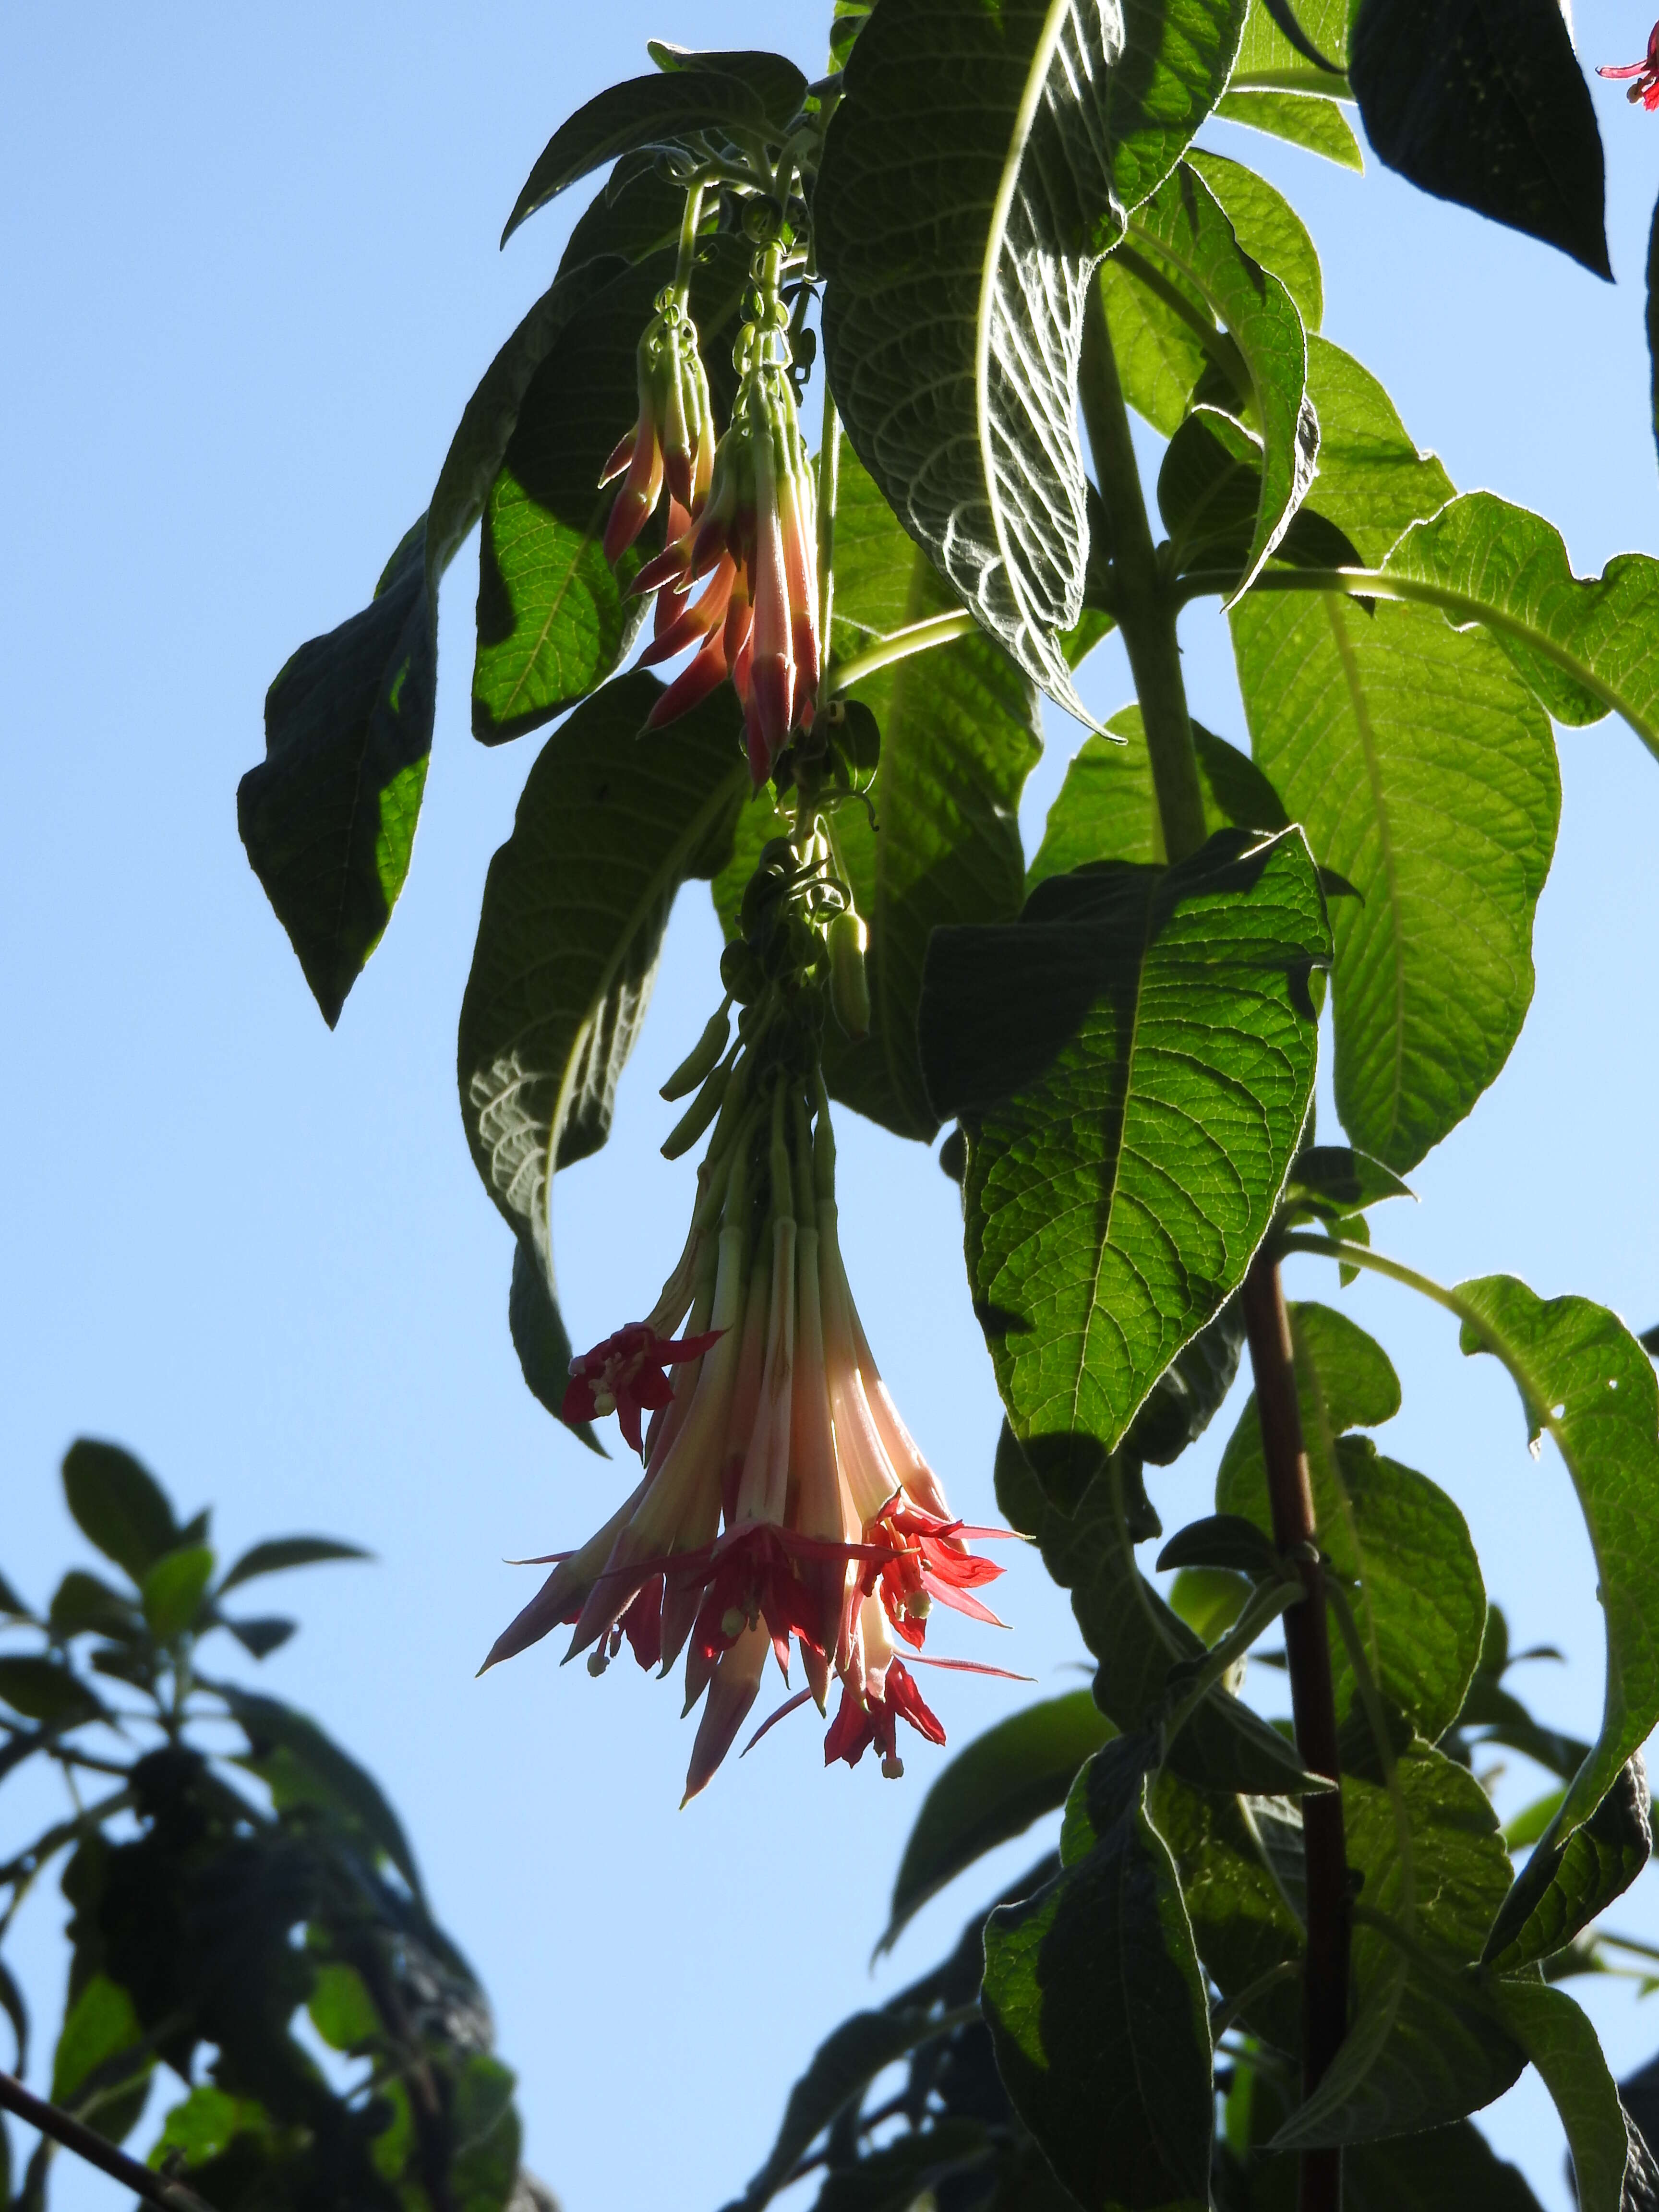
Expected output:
(783, 1506)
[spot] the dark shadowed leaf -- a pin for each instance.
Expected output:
(1097, 2006)
(1595, 1864)
(276, 1554)
(263, 1635)
(1014, 140)
(1209, 493)
(991, 1792)
(41, 1690)
(302, 1765)
(83, 1605)
(1451, 2169)
(1423, 2049)
(653, 111)
(1483, 102)
(328, 817)
(1100, 1242)
(1240, 1864)
(118, 1505)
(1585, 1379)
(609, 826)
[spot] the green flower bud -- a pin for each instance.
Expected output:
(849, 984)
(699, 1063)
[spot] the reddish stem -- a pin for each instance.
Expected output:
(1307, 1645)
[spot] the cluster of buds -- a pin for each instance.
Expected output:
(672, 443)
(782, 1505)
(744, 524)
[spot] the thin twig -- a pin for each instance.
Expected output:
(154, 2188)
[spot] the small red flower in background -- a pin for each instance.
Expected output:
(1646, 74)
(624, 1375)
(929, 1561)
(874, 1719)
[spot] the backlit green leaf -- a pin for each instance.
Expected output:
(1268, 228)
(1107, 810)
(173, 1589)
(102, 2025)
(991, 1792)
(1423, 771)
(1100, 1052)
(1596, 1864)
(1585, 1379)
(610, 825)
(1240, 1864)
(1318, 125)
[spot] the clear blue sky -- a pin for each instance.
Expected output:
(251, 277)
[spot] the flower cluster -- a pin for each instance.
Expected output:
(783, 1506)
(744, 524)
(1645, 72)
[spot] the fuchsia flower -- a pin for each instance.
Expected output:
(624, 1375)
(756, 540)
(1645, 72)
(783, 1506)
(673, 442)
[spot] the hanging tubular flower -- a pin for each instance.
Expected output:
(672, 443)
(783, 1507)
(1645, 72)
(755, 540)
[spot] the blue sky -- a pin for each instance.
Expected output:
(252, 277)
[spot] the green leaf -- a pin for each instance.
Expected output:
(1209, 1600)
(1451, 2169)
(276, 1554)
(991, 130)
(1333, 1179)
(10, 1604)
(609, 826)
(1096, 2004)
(1184, 230)
(1420, 1604)
(206, 2123)
(260, 1637)
(1562, 2045)
(1240, 1865)
(1595, 1864)
(304, 1766)
(554, 617)
(83, 1605)
(1163, 339)
(1585, 1379)
(484, 2164)
(1584, 645)
(1138, 1639)
(1267, 57)
(43, 1691)
(118, 1505)
(1209, 493)
(960, 732)
(1095, 1050)
(1491, 110)
(1364, 723)
(102, 2026)
(1190, 1392)
(662, 110)
(1107, 810)
(1318, 125)
(1423, 2048)
(1268, 228)
(843, 2067)
(341, 2008)
(909, 2170)
(173, 1589)
(991, 1792)
(542, 1341)
(328, 817)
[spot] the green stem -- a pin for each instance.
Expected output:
(1305, 79)
(1457, 606)
(914, 637)
(829, 491)
(1146, 611)
(1261, 1609)
(685, 259)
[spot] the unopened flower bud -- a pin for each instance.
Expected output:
(849, 983)
(698, 1115)
(701, 1061)
(893, 1767)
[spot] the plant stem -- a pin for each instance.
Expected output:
(1147, 611)
(1307, 1648)
(61, 2128)
(1147, 607)
(829, 490)
(914, 637)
